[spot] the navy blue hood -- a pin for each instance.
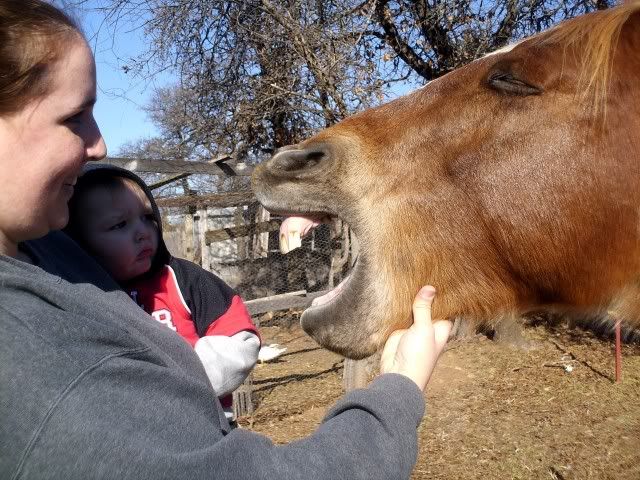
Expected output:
(93, 170)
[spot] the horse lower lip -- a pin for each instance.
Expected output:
(327, 297)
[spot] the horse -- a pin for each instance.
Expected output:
(512, 184)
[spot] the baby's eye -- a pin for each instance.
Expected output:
(118, 226)
(150, 217)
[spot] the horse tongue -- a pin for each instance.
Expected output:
(293, 229)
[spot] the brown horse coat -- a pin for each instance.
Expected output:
(510, 184)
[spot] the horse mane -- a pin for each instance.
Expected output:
(596, 36)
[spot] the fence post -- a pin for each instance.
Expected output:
(241, 241)
(243, 398)
(261, 240)
(243, 395)
(357, 372)
(203, 223)
(187, 237)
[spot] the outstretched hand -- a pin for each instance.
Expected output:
(414, 352)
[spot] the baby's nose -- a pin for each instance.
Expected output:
(142, 233)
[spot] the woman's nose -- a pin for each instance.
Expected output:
(96, 148)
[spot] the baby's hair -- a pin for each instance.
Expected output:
(33, 35)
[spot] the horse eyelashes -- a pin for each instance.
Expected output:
(508, 83)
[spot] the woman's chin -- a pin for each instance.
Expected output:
(59, 218)
(57, 212)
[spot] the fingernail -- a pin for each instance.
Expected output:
(427, 292)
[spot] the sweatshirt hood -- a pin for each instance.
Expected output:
(92, 170)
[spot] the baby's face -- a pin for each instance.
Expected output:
(120, 230)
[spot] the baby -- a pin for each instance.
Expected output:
(114, 217)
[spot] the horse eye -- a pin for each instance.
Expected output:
(507, 83)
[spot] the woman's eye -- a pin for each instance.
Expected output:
(118, 226)
(74, 118)
(78, 118)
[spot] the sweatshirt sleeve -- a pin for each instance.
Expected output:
(215, 307)
(131, 419)
(370, 434)
(228, 360)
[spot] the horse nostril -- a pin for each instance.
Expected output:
(297, 160)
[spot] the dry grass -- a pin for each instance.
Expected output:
(492, 411)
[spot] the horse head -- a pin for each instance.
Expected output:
(510, 183)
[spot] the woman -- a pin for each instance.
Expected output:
(91, 388)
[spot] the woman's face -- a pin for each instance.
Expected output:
(43, 148)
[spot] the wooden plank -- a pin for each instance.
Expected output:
(230, 199)
(285, 301)
(170, 166)
(168, 180)
(240, 231)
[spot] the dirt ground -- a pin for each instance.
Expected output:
(493, 411)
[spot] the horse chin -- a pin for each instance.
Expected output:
(340, 320)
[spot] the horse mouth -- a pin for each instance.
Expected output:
(345, 319)
(292, 230)
(333, 294)
(330, 317)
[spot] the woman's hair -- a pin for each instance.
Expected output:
(33, 35)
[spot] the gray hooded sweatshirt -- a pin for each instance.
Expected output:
(91, 389)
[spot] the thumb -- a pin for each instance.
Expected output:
(422, 306)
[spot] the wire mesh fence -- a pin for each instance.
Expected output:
(213, 219)
(241, 244)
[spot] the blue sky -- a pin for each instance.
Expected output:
(119, 111)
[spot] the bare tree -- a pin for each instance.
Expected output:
(255, 74)
(433, 37)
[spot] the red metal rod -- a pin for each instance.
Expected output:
(618, 354)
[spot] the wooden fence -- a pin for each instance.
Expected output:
(253, 231)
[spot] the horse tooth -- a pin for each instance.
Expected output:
(290, 241)
(295, 240)
(284, 247)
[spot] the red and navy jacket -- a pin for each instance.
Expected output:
(191, 301)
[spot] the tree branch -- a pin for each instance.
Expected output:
(402, 49)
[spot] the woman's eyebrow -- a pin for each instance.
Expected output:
(89, 102)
